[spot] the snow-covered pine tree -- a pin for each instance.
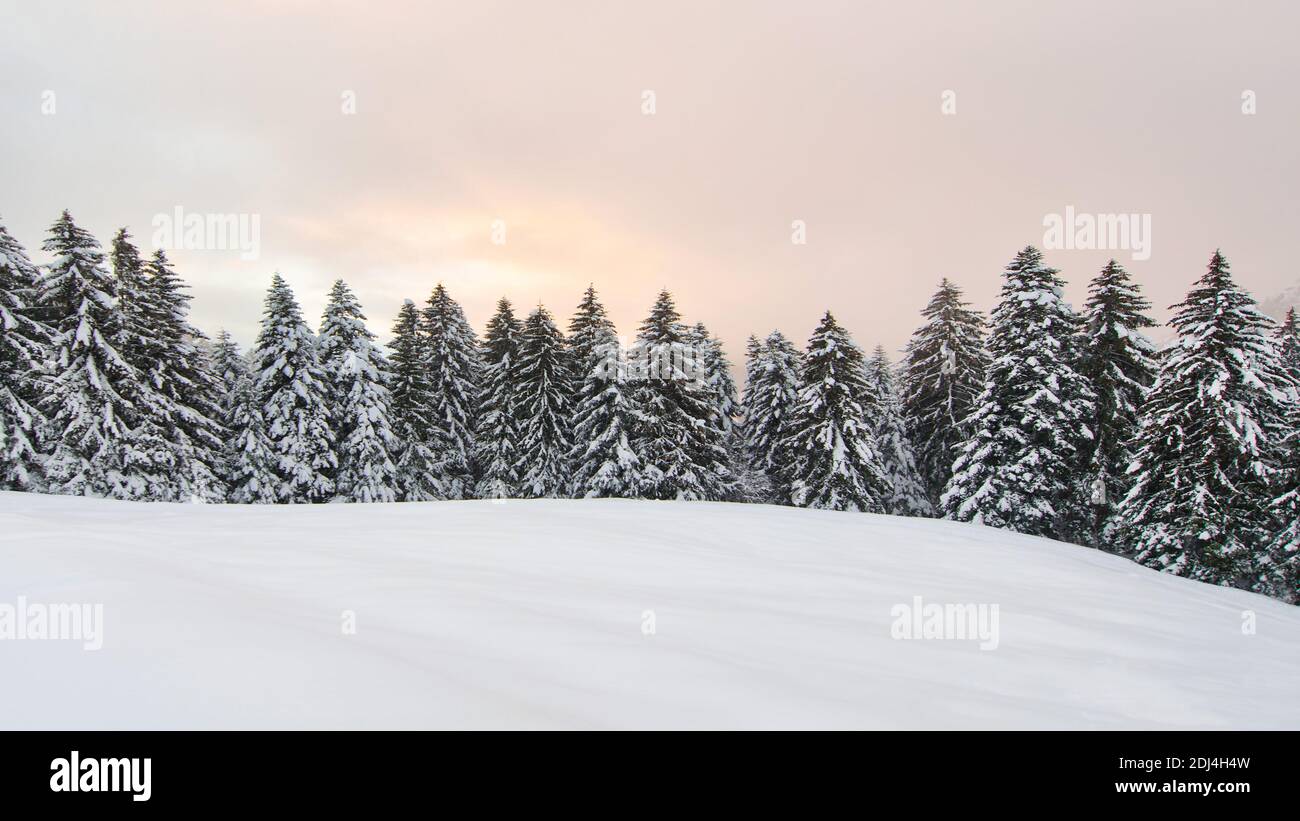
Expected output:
(153, 458)
(1020, 468)
(683, 454)
(1288, 344)
(543, 401)
(412, 411)
(1207, 440)
(1119, 363)
(24, 356)
(942, 377)
(248, 455)
(724, 401)
(87, 405)
(454, 374)
(908, 495)
(1279, 565)
(1279, 575)
(498, 429)
(292, 394)
(771, 393)
(135, 337)
(357, 393)
(586, 334)
(228, 365)
(753, 362)
(835, 464)
(605, 462)
(183, 375)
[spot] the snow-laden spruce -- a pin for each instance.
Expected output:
(154, 459)
(133, 333)
(247, 457)
(228, 365)
(292, 392)
(771, 391)
(943, 376)
(908, 495)
(24, 356)
(411, 408)
(1208, 440)
(1119, 363)
(835, 464)
(543, 378)
(587, 333)
(1278, 573)
(358, 397)
(454, 374)
(182, 374)
(755, 486)
(683, 454)
(723, 399)
(497, 431)
(605, 461)
(1288, 344)
(90, 382)
(1021, 467)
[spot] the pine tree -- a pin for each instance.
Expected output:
(587, 332)
(135, 336)
(182, 374)
(1118, 362)
(88, 406)
(771, 393)
(498, 430)
(412, 411)
(1199, 503)
(359, 401)
(908, 495)
(228, 365)
(1288, 345)
(835, 464)
(683, 454)
(454, 374)
(24, 354)
(1278, 574)
(725, 409)
(943, 376)
(753, 364)
(605, 462)
(1020, 467)
(544, 391)
(154, 459)
(292, 395)
(247, 455)
(99, 450)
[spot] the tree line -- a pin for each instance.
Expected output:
(1036, 419)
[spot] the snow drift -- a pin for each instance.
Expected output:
(610, 613)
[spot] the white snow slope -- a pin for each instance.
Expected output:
(530, 614)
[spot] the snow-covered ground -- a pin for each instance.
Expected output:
(534, 614)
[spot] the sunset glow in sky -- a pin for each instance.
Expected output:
(531, 114)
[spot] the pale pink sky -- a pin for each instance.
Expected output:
(531, 113)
